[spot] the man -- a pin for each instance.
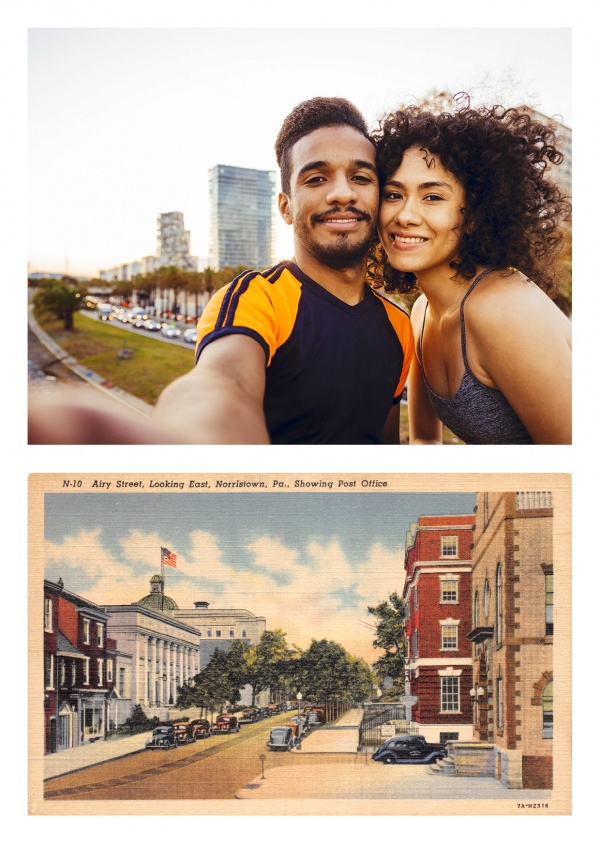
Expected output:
(304, 352)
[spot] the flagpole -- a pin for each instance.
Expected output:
(162, 573)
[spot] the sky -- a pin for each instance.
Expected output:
(124, 124)
(311, 563)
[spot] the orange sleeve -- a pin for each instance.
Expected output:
(253, 306)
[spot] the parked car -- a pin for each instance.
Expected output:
(163, 737)
(106, 315)
(263, 713)
(409, 749)
(302, 721)
(274, 708)
(316, 717)
(183, 732)
(171, 331)
(190, 336)
(139, 322)
(152, 325)
(249, 715)
(226, 724)
(281, 738)
(200, 728)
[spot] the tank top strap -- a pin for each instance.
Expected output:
(463, 337)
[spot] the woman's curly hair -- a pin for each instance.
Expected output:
(513, 211)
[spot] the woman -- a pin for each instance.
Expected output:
(469, 214)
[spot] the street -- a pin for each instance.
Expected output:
(207, 769)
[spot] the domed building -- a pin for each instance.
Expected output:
(156, 598)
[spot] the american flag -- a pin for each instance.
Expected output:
(168, 557)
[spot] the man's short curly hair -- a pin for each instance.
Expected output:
(513, 212)
(308, 116)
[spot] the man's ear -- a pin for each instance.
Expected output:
(285, 209)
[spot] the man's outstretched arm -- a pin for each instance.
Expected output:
(221, 400)
(218, 402)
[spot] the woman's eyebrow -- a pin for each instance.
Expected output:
(424, 186)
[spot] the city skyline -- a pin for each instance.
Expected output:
(134, 131)
(311, 569)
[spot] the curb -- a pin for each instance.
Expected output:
(87, 375)
(94, 764)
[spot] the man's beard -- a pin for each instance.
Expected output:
(340, 254)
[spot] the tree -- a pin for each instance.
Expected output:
(63, 297)
(327, 673)
(267, 662)
(391, 637)
(215, 685)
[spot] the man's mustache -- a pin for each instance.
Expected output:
(363, 215)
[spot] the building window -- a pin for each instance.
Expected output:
(86, 630)
(49, 672)
(486, 600)
(549, 605)
(445, 736)
(450, 546)
(231, 633)
(109, 670)
(63, 672)
(476, 610)
(100, 632)
(449, 589)
(86, 671)
(73, 673)
(121, 682)
(100, 672)
(243, 632)
(209, 633)
(218, 633)
(449, 637)
(498, 605)
(547, 711)
(415, 597)
(48, 627)
(450, 694)
(499, 703)
(415, 644)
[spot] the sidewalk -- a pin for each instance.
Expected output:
(341, 737)
(79, 757)
(373, 781)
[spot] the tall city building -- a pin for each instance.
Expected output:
(242, 217)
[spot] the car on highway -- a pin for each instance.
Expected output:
(190, 336)
(163, 737)
(106, 315)
(183, 732)
(409, 749)
(139, 322)
(282, 738)
(226, 724)
(201, 728)
(170, 331)
(152, 325)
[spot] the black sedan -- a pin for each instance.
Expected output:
(409, 749)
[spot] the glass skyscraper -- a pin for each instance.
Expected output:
(242, 217)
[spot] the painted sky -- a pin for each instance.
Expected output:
(124, 123)
(310, 563)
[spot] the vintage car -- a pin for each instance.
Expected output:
(316, 716)
(409, 749)
(184, 732)
(302, 720)
(201, 728)
(226, 723)
(249, 715)
(282, 738)
(263, 713)
(163, 737)
(274, 708)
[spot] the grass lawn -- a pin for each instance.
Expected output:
(96, 345)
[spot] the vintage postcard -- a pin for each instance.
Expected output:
(300, 644)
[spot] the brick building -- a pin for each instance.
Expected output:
(512, 636)
(79, 669)
(437, 593)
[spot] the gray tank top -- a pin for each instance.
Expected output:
(476, 413)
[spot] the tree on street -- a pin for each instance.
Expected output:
(391, 637)
(62, 297)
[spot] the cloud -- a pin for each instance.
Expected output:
(274, 558)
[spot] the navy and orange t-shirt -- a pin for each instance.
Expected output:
(333, 370)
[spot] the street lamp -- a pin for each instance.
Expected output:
(299, 698)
